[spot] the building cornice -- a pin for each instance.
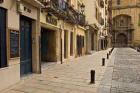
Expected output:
(125, 6)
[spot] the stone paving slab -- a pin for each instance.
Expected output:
(70, 77)
(120, 75)
(106, 82)
(126, 72)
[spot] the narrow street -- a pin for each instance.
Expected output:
(126, 72)
(120, 75)
(69, 77)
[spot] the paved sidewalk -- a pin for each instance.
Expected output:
(70, 77)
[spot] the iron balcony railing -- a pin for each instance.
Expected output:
(81, 19)
(101, 3)
(56, 7)
(72, 15)
(129, 27)
(63, 10)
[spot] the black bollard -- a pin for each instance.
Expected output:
(113, 48)
(92, 72)
(103, 61)
(107, 56)
(109, 52)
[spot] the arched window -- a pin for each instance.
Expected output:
(118, 2)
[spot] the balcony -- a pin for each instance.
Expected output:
(55, 7)
(101, 3)
(106, 11)
(72, 15)
(101, 21)
(106, 1)
(81, 19)
(60, 9)
(129, 27)
(64, 11)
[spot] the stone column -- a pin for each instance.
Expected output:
(74, 42)
(58, 45)
(87, 41)
(95, 42)
(36, 61)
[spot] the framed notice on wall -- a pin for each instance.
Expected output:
(14, 43)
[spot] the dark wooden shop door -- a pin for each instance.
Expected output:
(26, 46)
(3, 54)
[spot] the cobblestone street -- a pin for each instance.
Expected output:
(120, 75)
(126, 72)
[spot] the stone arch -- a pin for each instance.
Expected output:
(122, 40)
(121, 14)
(122, 28)
(122, 20)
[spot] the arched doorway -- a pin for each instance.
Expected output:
(121, 40)
(122, 30)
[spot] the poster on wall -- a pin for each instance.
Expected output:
(14, 44)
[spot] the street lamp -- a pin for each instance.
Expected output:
(87, 27)
(82, 8)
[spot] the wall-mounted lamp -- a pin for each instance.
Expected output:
(82, 8)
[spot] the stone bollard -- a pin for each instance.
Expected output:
(107, 56)
(92, 73)
(103, 61)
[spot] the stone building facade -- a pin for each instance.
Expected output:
(37, 31)
(125, 19)
(97, 20)
(19, 36)
(63, 33)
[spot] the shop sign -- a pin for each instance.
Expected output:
(51, 20)
(27, 9)
(21, 8)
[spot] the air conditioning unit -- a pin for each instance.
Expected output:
(20, 7)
